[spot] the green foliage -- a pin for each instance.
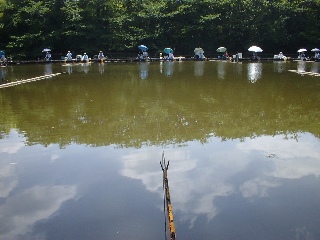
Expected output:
(121, 25)
(3, 39)
(2, 7)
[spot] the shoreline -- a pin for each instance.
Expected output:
(180, 58)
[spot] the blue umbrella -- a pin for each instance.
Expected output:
(143, 48)
(168, 50)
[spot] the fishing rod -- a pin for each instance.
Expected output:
(164, 166)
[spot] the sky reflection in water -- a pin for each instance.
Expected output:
(269, 176)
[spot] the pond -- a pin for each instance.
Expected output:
(80, 150)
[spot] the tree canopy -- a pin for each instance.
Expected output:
(27, 26)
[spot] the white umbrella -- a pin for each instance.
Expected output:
(315, 50)
(221, 49)
(198, 51)
(302, 50)
(255, 49)
(46, 50)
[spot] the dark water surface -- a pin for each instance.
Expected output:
(80, 152)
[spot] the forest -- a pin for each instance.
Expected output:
(119, 26)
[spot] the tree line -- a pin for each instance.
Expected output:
(28, 26)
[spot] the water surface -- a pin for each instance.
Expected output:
(80, 152)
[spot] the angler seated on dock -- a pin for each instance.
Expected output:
(255, 56)
(47, 57)
(143, 55)
(85, 58)
(3, 60)
(302, 56)
(199, 54)
(68, 57)
(78, 58)
(168, 56)
(101, 56)
(225, 56)
(280, 56)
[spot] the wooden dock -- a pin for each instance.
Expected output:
(15, 83)
(179, 58)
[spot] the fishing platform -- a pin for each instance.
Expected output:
(132, 59)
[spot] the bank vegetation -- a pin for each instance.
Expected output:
(28, 26)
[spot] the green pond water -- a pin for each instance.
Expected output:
(80, 151)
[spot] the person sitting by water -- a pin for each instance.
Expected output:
(302, 56)
(140, 54)
(171, 56)
(280, 55)
(69, 56)
(48, 56)
(85, 57)
(144, 55)
(255, 56)
(101, 56)
(226, 55)
(3, 58)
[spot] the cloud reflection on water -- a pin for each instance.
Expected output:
(251, 167)
(292, 158)
(22, 210)
(8, 178)
(203, 178)
(9, 144)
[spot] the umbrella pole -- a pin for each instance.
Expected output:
(164, 167)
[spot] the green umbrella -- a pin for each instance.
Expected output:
(168, 50)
